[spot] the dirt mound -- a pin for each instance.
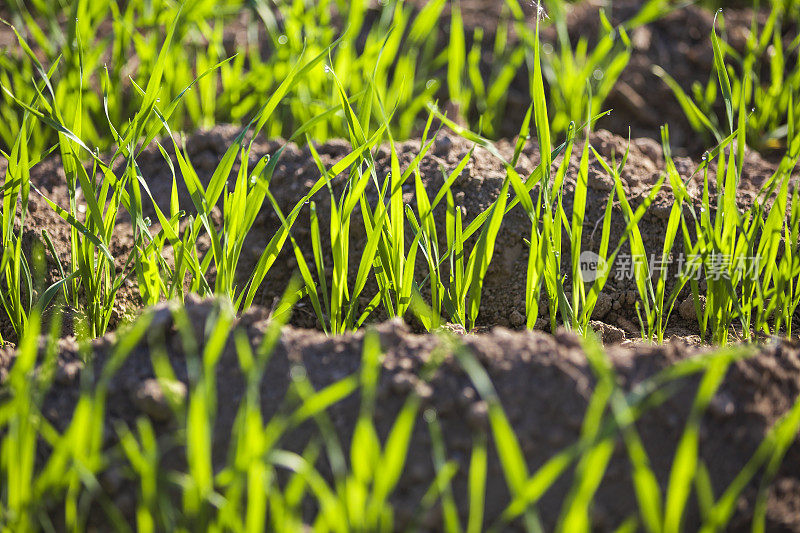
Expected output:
(474, 191)
(543, 383)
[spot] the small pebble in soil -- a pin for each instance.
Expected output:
(516, 319)
(602, 306)
(687, 310)
(608, 334)
(442, 145)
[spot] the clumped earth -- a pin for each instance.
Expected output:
(477, 187)
(543, 382)
(474, 191)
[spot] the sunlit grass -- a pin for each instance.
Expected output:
(351, 490)
(422, 258)
(764, 80)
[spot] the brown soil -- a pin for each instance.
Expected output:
(503, 295)
(543, 382)
(551, 370)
